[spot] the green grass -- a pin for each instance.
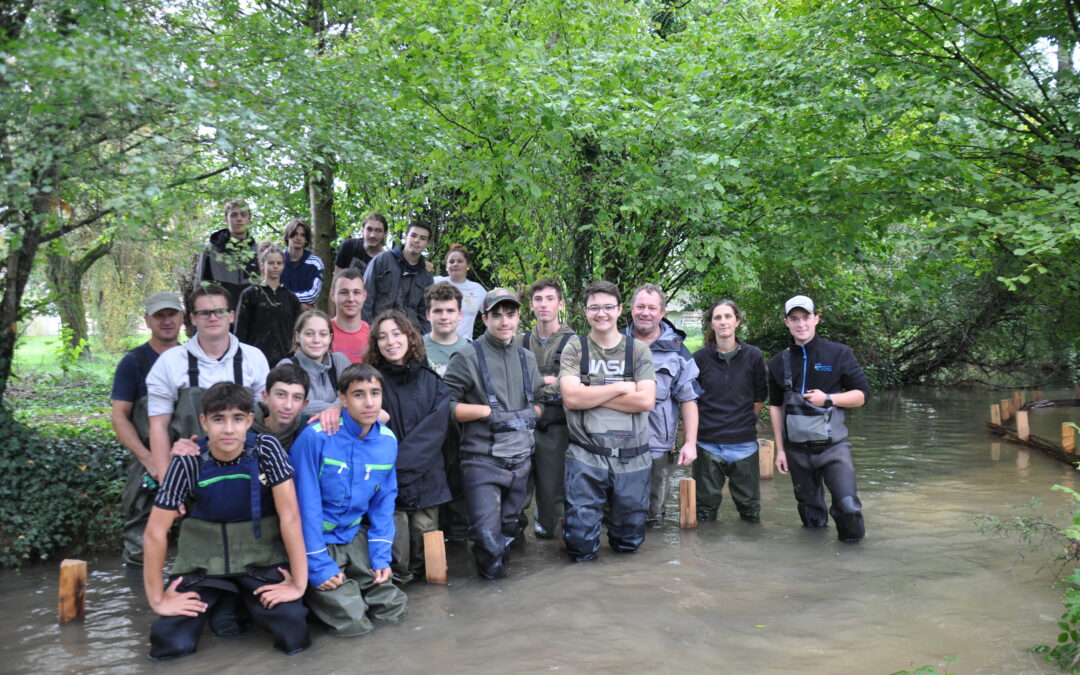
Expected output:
(40, 393)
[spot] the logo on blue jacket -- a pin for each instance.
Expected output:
(823, 367)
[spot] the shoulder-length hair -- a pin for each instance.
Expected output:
(706, 320)
(414, 354)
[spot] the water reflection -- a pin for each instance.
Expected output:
(726, 597)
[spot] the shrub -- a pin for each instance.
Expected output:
(61, 491)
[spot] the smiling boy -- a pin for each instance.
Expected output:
(242, 525)
(281, 412)
(347, 485)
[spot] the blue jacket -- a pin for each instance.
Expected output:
(303, 277)
(340, 479)
(676, 383)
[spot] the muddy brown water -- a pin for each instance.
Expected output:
(923, 588)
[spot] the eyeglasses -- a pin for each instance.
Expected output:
(596, 309)
(220, 312)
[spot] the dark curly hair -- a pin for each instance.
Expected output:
(414, 354)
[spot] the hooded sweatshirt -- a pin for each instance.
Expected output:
(170, 373)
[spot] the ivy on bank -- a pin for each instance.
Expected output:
(61, 490)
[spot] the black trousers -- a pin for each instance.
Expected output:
(832, 467)
(173, 636)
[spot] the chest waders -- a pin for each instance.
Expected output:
(231, 527)
(558, 416)
(230, 545)
(610, 433)
(806, 425)
(185, 417)
(510, 431)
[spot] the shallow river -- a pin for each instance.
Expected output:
(922, 588)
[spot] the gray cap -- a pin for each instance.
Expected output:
(799, 302)
(497, 295)
(163, 300)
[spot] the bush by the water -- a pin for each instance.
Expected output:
(61, 490)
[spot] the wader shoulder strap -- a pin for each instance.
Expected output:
(526, 340)
(481, 361)
(333, 372)
(785, 356)
(238, 368)
(192, 370)
(144, 362)
(526, 380)
(628, 360)
(584, 359)
(562, 345)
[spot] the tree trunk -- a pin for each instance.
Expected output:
(320, 186)
(65, 273)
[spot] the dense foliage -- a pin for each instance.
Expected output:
(61, 490)
(912, 166)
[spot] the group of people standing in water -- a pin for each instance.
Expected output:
(306, 454)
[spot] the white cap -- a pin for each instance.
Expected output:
(799, 302)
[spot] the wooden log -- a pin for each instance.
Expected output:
(687, 503)
(1037, 395)
(435, 557)
(766, 457)
(1068, 437)
(1022, 428)
(995, 413)
(72, 601)
(559, 535)
(1006, 409)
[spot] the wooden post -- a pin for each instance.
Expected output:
(1076, 394)
(1022, 429)
(559, 535)
(72, 602)
(435, 557)
(766, 456)
(1037, 395)
(995, 414)
(1018, 397)
(1068, 437)
(1006, 410)
(687, 503)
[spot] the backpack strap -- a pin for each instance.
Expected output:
(785, 356)
(562, 345)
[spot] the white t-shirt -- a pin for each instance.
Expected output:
(471, 301)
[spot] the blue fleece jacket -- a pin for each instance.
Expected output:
(339, 480)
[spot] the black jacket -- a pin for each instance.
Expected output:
(228, 263)
(265, 319)
(419, 406)
(730, 390)
(392, 283)
(829, 366)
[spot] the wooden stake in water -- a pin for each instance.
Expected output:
(1006, 409)
(72, 602)
(435, 557)
(1022, 428)
(1037, 395)
(995, 414)
(687, 503)
(1019, 398)
(1068, 437)
(766, 457)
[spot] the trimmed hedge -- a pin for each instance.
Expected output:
(60, 491)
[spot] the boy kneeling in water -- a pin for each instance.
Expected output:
(242, 525)
(347, 485)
